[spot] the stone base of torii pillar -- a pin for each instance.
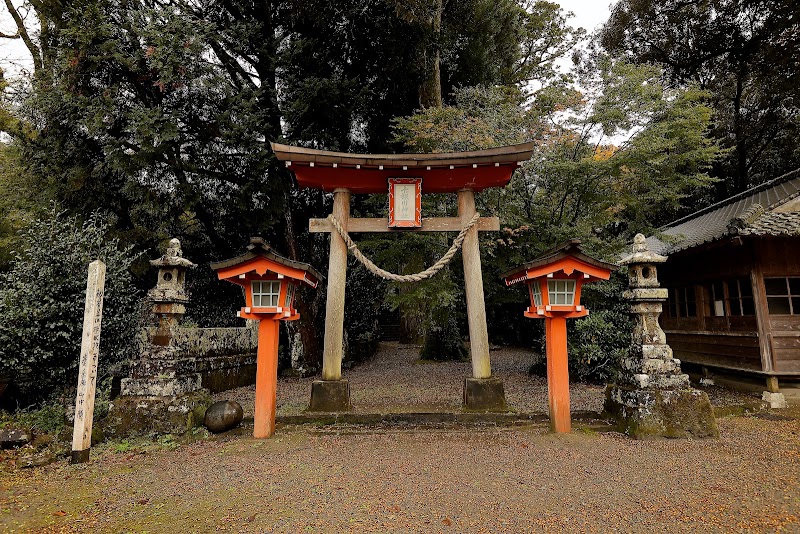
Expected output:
(652, 397)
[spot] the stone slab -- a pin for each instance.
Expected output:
(138, 415)
(330, 396)
(485, 394)
(643, 413)
(775, 400)
(14, 437)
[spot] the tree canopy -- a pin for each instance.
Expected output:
(745, 53)
(161, 114)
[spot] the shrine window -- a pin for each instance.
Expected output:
(266, 293)
(783, 295)
(536, 293)
(682, 302)
(561, 292)
(289, 295)
(714, 296)
(740, 297)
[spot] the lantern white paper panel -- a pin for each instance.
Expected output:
(265, 293)
(561, 292)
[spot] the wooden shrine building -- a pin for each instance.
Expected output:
(404, 178)
(733, 275)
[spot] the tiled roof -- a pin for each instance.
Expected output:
(748, 213)
(775, 223)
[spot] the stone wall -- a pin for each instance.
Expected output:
(225, 358)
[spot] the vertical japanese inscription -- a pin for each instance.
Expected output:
(87, 373)
(406, 202)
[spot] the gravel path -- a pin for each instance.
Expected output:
(395, 381)
(433, 480)
(445, 478)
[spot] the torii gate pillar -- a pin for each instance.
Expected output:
(482, 390)
(332, 394)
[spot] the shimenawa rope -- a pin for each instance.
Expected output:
(427, 273)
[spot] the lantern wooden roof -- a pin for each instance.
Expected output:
(260, 257)
(567, 257)
(369, 173)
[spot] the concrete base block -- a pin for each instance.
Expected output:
(485, 394)
(775, 400)
(645, 413)
(330, 396)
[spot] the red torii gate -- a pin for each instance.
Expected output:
(463, 173)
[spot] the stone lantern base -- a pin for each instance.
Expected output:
(644, 413)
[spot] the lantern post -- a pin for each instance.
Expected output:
(554, 282)
(270, 282)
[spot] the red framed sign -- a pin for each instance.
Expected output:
(405, 202)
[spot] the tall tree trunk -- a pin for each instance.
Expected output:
(740, 179)
(430, 91)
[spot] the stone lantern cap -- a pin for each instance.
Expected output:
(641, 254)
(173, 257)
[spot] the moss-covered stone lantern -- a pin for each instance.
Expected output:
(169, 297)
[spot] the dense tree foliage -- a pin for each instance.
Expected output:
(745, 53)
(579, 183)
(42, 302)
(161, 114)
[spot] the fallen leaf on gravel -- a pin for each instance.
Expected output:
(446, 522)
(251, 518)
(60, 513)
(143, 501)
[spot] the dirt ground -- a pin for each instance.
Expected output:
(410, 479)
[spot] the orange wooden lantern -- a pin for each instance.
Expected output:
(554, 285)
(270, 282)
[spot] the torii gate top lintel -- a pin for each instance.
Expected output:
(442, 172)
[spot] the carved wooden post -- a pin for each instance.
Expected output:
(87, 373)
(332, 394)
(473, 286)
(337, 277)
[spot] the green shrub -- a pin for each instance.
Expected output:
(598, 344)
(42, 302)
(49, 419)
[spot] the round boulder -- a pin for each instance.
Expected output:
(223, 415)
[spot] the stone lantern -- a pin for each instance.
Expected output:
(163, 391)
(652, 397)
(169, 296)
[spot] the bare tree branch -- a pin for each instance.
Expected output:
(22, 31)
